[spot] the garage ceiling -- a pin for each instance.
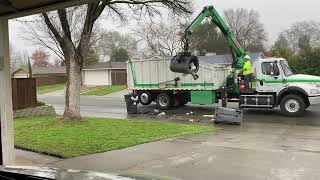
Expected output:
(18, 8)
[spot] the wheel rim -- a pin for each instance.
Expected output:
(144, 97)
(292, 105)
(163, 101)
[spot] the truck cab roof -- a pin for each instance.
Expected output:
(272, 59)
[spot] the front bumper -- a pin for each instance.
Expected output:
(314, 100)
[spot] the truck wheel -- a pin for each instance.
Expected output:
(164, 101)
(292, 105)
(145, 98)
(183, 100)
(176, 102)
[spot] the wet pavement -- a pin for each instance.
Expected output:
(25, 158)
(251, 151)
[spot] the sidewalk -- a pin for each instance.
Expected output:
(26, 158)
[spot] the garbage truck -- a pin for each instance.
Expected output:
(183, 79)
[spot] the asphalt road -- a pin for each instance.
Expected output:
(112, 106)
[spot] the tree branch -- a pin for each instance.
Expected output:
(52, 28)
(64, 23)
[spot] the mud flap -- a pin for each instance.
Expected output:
(228, 116)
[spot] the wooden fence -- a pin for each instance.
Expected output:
(24, 93)
(119, 77)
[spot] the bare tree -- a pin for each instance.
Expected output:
(113, 41)
(74, 39)
(281, 42)
(18, 59)
(57, 62)
(303, 30)
(162, 38)
(40, 58)
(247, 28)
(36, 32)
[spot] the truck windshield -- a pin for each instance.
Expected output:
(286, 68)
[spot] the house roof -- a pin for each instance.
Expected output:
(17, 69)
(107, 65)
(226, 59)
(49, 70)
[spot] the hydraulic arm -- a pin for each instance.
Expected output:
(210, 12)
(237, 51)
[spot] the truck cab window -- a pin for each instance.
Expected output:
(270, 68)
(286, 68)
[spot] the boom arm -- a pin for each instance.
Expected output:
(210, 12)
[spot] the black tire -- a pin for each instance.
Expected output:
(164, 101)
(145, 98)
(183, 100)
(292, 105)
(179, 100)
(175, 102)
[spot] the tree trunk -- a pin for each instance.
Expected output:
(73, 85)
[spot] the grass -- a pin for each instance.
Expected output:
(102, 90)
(51, 136)
(50, 88)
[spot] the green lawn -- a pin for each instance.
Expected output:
(93, 135)
(102, 90)
(50, 88)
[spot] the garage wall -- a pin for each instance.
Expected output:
(96, 77)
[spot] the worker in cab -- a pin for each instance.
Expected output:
(247, 73)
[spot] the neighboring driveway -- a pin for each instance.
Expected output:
(253, 151)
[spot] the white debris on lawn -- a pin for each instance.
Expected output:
(212, 120)
(208, 116)
(161, 115)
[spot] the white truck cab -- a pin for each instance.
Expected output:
(276, 85)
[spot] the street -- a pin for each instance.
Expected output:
(112, 106)
(266, 146)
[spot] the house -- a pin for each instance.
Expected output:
(105, 73)
(227, 58)
(49, 75)
(20, 73)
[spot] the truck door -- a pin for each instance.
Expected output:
(270, 78)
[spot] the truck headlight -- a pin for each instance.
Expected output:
(314, 91)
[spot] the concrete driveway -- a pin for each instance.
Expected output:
(253, 151)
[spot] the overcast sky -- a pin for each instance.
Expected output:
(276, 15)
